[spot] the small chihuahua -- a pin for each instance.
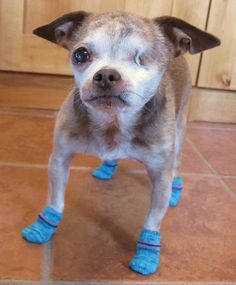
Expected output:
(129, 101)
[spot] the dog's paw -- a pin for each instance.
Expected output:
(144, 264)
(174, 200)
(44, 227)
(106, 170)
(146, 259)
(37, 233)
(177, 188)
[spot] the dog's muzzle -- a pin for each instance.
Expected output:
(107, 89)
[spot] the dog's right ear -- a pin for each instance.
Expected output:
(61, 30)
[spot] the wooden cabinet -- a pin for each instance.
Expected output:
(215, 69)
(218, 67)
(22, 51)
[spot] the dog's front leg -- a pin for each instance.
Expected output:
(161, 192)
(58, 173)
(46, 224)
(146, 260)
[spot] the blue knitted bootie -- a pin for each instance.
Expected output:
(146, 259)
(106, 170)
(44, 227)
(177, 187)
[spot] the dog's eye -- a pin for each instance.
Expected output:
(81, 55)
(138, 59)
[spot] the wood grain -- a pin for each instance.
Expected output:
(11, 23)
(33, 90)
(212, 106)
(149, 9)
(36, 55)
(44, 57)
(49, 10)
(218, 69)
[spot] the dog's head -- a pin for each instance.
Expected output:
(118, 59)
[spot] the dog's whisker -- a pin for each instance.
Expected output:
(145, 99)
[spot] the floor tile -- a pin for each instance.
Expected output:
(97, 237)
(192, 162)
(218, 147)
(22, 195)
(231, 182)
(25, 139)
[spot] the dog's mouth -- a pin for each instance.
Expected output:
(107, 101)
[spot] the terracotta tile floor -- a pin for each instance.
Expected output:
(97, 237)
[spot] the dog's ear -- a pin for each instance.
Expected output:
(184, 36)
(61, 30)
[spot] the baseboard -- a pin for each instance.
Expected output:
(26, 90)
(212, 106)
(22, 90)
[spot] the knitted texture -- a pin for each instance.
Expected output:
(146, 259)
(177, 187)
(44, 227)
(106, 170)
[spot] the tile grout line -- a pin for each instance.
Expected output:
(197, 152)
(38, 165)
(29, 282)
(47, 261)
(212, 128)
(228, 176)
(42, 116)
(89, 168)
(140, 171)
(217, 176)
(196, 174)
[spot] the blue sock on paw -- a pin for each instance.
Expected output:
(146, 259)
(106, 170)
(45, 226)
(177, 187)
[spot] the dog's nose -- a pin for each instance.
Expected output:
(106, 78)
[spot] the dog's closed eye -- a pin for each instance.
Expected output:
(137, 58)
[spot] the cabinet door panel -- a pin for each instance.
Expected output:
(48, 10)
(150, 8)
(218, 68)
(22, 51)
(11, 24)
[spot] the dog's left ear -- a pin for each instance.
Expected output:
(61, 30)
(184, 36)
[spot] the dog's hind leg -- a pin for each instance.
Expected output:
(46, 223)
(177, 183)
(106, 170)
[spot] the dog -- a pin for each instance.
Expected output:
(132, 86)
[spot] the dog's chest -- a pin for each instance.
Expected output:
(113, 139)
(114, 142)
